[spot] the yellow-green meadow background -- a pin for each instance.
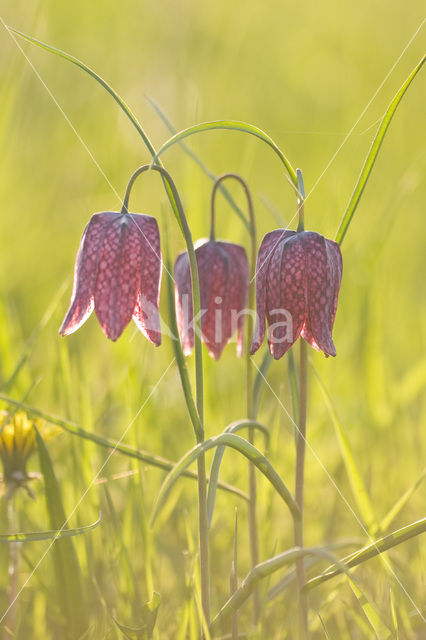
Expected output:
(304, 73)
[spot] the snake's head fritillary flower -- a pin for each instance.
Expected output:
(117, 273)
(17, 443)
(298, 277)
(224, 280)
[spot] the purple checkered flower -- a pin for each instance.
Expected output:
(298, 277)
(224, 280)
(117, 273)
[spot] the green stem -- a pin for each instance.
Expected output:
(301, 447)
(11, 620)
(252, 510)
(198, 425)
(300, 467)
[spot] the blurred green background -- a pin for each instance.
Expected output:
(303, 72)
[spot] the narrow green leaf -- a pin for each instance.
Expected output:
(358, 487)
(34, 335)
(242, 446)
(400, 504)
(109, 443)
(49, 534)
(148, 614)
(372, 154)
(375, 621)
(217, 459)
(372, 550)
(258, 573)
(394, 615)
(119, 100)
(324, 628)
(289, 578)
(232, 125)
(69, 583)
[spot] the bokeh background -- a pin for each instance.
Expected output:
(304, 73)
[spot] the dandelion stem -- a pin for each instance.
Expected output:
(14, 561)
(198, 425)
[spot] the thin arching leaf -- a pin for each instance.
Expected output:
(372, 154)
(242, 446)
(217, 459)
(224, 191)
(258, 573)
(371, 551)
(119, 100)
(232, 125)
(51, 534)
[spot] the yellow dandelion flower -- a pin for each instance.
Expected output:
(17, 443)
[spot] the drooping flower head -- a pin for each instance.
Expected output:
(224, 280)
(117, 273)
(298, 277)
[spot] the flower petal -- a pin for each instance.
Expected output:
(145, 313)
(286, 295)
(214, 268)
(267, 248)
(223, 277)
(119, 276)
(183, 302)
(238, 292)
(85, 271)
(323, 281)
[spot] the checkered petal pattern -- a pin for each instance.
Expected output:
(223, 273)
(297, 286)
(117, 273)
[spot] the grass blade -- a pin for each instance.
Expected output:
(69, 584)
(370, 611)
(400, 504)
(242, 446)
(372, 550)
(372, 154)
(50, 534)
(258, 573)
(358, 487)
(119, 100)
(217, 459)
(232, 125)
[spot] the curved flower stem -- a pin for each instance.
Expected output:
(252, 511)
(198, 425)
